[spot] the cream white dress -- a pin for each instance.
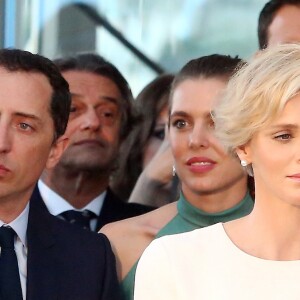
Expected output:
(205, 264)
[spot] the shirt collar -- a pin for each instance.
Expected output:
(57, 205)
(19, 225)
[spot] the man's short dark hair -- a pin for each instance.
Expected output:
(15, 60)
(266, 17)
(96, 64)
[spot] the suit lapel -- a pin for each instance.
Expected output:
(101, 220)
(110, 211)
(42, 268)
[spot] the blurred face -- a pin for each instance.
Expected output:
(94, 124)
(201, 163)
(274, 152)
(26, 132)
(157, 136)
(285, 27)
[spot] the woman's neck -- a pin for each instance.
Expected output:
(271, 231)
(217, 200)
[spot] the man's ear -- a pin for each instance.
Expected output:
(57, 149)
(244, 153)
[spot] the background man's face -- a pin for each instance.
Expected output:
(94, 124)
(26, 131)
(285, 27)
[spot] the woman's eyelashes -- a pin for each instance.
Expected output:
(179, 123)
(182, 123)
(283, 136)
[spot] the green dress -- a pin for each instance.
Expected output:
(189, 218)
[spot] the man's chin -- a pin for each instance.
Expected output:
(87, 165)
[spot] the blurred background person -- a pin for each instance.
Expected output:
(157, 186)
(213, 184)
(77, 189)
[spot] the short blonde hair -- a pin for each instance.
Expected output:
(256, 94)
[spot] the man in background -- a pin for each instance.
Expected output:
(77, 189)
(279, 23)
(42, 257)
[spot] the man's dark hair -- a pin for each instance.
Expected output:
(96, 64)
(211, 66)
(15, 60)
(266, 17)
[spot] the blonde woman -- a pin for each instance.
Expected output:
(257, 256)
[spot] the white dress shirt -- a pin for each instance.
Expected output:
(57, 205)
(19, 225)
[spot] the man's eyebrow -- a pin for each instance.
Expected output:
(107, 98)
(27, 115)
(111, 99)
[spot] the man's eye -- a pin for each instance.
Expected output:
(73, 109)
(25, 126)
(107, 114)
(107, 117)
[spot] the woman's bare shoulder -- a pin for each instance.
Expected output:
(130, 237)
(146, 224)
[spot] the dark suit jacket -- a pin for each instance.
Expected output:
(64, 262)
(113, 209)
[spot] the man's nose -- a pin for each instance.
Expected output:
(5, 138)
(90, 120)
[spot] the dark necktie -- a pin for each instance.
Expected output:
(10, 284)
(79, 218)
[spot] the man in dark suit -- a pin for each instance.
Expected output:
(42, 257)
(77, 189)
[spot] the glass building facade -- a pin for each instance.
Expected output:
(141, 37)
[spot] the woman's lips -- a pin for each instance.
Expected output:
(295, 177)
(200, 164)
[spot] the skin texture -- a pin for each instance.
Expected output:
(26, 138)
(130, 237)
(93, 129)
(273, 226)
(285, 27)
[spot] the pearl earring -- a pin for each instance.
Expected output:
(244, 163)
(173, 170)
